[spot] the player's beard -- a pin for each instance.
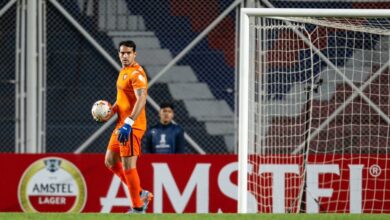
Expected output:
(125, 62)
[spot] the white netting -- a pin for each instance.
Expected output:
(374, 26)
(319, 115)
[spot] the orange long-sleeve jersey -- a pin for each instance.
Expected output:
(129, 79)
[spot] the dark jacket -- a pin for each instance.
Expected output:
(165, 139)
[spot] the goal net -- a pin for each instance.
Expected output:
(314, 107)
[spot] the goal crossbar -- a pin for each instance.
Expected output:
(299, 12)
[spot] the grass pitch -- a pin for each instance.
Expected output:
(98, 216)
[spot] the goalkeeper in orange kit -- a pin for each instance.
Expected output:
(124, 147)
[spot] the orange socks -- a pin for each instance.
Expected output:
(117, 169)
(134, 185)
(131, 179)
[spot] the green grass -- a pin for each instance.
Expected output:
(98, 216)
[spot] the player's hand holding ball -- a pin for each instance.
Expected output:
(101, 111)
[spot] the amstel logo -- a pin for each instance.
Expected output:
(52, 184)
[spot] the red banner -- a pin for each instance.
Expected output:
(333, 183)
(194, 183)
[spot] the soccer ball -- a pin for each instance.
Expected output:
(101, 110)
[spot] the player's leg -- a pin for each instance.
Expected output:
(133, 181)
(113, 160)
(129, 153)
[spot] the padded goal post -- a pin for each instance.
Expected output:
(314, 107)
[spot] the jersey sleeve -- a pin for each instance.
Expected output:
(139, 80)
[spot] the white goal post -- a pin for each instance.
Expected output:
(314, 107)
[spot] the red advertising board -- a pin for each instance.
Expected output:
(333, 183)
(194, 183)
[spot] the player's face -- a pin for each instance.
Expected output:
(166, 115)
(127, 55)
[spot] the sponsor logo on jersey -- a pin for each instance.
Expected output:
(52, 184)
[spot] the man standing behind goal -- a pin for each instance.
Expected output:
(125, 143)
(165, 137)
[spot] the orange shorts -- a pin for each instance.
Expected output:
(132, 147)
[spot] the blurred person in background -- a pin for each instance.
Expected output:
(165, 137)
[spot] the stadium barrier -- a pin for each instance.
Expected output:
(187, 183)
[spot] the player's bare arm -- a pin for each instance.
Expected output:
(140, 95)
(114, 110)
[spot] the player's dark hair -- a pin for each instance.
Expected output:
(166, 105)
(128, 43)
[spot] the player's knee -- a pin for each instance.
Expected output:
(109, 163)
(129, 166)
